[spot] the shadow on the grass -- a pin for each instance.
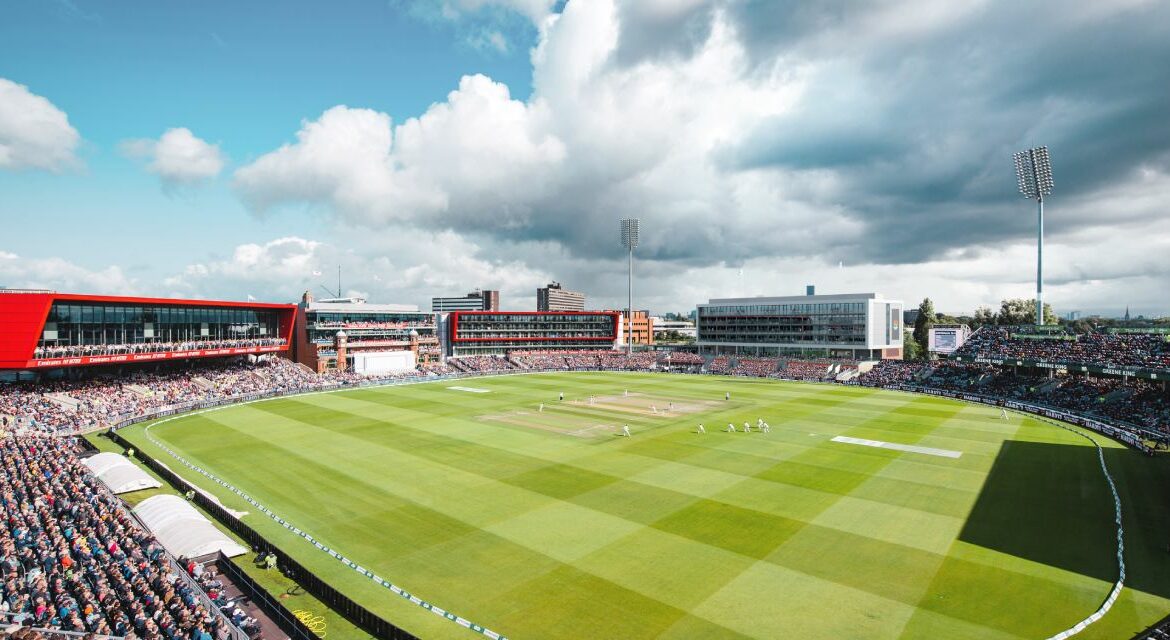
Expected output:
(1049, 503)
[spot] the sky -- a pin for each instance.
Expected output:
(432, 147)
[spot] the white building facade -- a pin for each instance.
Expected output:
(859, 326)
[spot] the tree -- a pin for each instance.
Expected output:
(922, 325)
(911, 350)
(1022, 311)
(983, 316)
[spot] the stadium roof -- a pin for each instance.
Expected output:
(119, 474)
(182, 529)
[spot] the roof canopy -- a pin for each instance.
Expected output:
(182, 529)
(119, 474)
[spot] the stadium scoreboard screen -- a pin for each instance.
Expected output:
(946, 339)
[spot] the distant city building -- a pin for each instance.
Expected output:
(479, 300)
(1073, 315)
(681, 327)
(853, 325)
(349, 334)
(556, 298)
(642, 331)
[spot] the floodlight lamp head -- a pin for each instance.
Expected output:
(630, 233)
(1034, 172)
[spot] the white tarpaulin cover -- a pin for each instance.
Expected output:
(119, 474)
(182, 529)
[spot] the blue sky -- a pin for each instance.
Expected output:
(223, 149)
(242, 75)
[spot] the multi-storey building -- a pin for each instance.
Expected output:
(42, 330)
(350, 334)
(857, 325)
(556, 298)
(500, 332)
(640, 330)
(479, 300)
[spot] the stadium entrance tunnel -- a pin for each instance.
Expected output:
(1049, 503)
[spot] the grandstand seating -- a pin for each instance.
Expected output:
(74, 559)
(1120, 350)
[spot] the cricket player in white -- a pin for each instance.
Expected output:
(562, 395)
(759, 423)
(626, 393)
(747, 427)
(701, 429)
(653, 409)
(626, 430)
(730, 428)
(541, 409)
(727, 395)
(1003, 413)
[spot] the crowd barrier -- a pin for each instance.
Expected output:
(288, 623)
(331, 597)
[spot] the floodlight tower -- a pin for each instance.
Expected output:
(630, 241)
(1034, 174)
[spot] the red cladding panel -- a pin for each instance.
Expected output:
(22, 316)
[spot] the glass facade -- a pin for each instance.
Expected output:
(70, 324)
(815, 324)
(323, 326)
(490, 333)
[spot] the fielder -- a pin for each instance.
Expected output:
(562, 396)
(747, 427)
(1003, 413)
(626, 430)
(701, 429)
(727, 395)
(541, 409)
(730, 428)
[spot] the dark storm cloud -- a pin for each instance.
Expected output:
(919, 130)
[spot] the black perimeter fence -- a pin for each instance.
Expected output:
(344, 605)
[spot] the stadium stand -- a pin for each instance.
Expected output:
(74, 559)
(1146, 351)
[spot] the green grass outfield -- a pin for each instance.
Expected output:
(548, 525)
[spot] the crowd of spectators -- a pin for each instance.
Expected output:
(893, 372)
(719, 365)
(69, 405)
(482, 364)
(805, 370)
(1114, 350)
(756, 367)
(84, 350)
(1133, 401)
(74, 559)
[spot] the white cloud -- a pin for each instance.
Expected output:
(178, 157)
(787, 139)
(17, 272)
(34, 134)
(404, 268)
